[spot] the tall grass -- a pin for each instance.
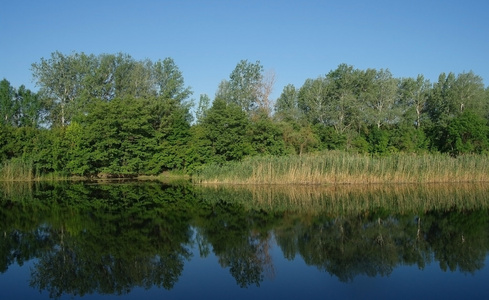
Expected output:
(335, 167)
(17, 170)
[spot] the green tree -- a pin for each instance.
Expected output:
(342, 102)
(61, 80)
(312, 100)
(381, 100)
(467, 133)
(414, 96)
(226, 125)
(441, 105)
(172, 137)
(265, 136)
(248, 87)
(117, 139)
(7, 102)
(199, 150)
(30, 108)
(286, 107)
(203, 107)
(169, 81)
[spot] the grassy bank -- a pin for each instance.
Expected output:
(21, 170)
(335, 167)
(168, 177)
(17, 170)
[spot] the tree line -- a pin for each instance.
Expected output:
(113, 115)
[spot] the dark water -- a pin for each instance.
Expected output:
(148, 240)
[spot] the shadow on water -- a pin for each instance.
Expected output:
(110, 238)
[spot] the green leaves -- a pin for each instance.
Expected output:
(226, 125)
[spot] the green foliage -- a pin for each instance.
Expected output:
(245, 84)
(112, 115)
(199, 151)
(286, 107)
(172, 136)
(204, 105)
(265, 136)
(226, 125)
(378, 140)
(19, 107)
(467, 133)
(7, 104)
(119, 137)
(329, 138)
(407, 138)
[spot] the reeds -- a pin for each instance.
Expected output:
(336, 167)
(16, 170)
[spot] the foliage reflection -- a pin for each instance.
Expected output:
(93, 238)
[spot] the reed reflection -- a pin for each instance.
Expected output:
(108, 239)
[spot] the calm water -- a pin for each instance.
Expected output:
(148, 240)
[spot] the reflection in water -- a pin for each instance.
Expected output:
(108, 239)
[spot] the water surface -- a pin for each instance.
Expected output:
(140, 240)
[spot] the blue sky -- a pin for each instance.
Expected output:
(295, 39)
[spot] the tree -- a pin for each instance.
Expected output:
(286, 107)
(29, 108)
(245, 84)
(60, 79)
(7, 102)
(342, 101)
(204, 105)
(381, 100)
(171, 92)
(265, 136)
(414, 96)
(467, 133)
(312, 100)
(116, 138)
(469, 92)
(441, 105)
(169, 81)
(226, 125)
(248, 88)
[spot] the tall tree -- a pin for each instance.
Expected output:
(60, 78)
(226, 125)
(203, 107)
(381, 102)
(441, 105)
(312, 100)
(29, 107)
(414, 95)
(7, 102)
(169, 81)
(469, 91)
(342, 101)
(245, 84)
(249, 88)
(286, 107)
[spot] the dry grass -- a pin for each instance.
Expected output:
(16, 170)
(346, 168)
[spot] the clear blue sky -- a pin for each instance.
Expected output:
(295, 39)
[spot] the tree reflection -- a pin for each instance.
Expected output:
(237, 241)
(108, 239)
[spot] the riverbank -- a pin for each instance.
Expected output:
(327, 168)
(336, 167)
